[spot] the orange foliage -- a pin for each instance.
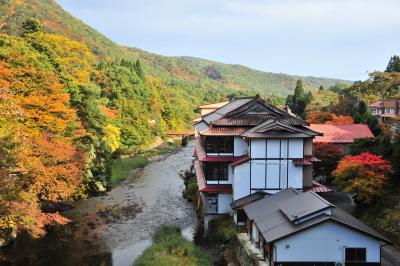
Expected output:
(341, 120)
(363, 174)
(109, 113)
(329, 118)
(43, 161)
(320, 117)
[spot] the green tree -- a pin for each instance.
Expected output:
(139, 70)
(31, 25)
(299, 100)
(394, 64)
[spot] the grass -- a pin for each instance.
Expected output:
(171, 248)
(120, 168)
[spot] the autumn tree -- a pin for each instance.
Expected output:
(320, 117)
(329, 155)
(364, 174)
(341, 120)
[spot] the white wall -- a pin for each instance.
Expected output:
(325, 242)
(277, 148)
(241, 181)
(295, 176)
(224, 203)
(239, 146)
(296, 148)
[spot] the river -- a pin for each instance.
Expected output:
(114, 229)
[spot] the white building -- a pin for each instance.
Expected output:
(248, 146)
(295, 228)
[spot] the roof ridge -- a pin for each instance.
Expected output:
(321, 198)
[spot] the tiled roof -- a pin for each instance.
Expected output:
(275, 128)
(199, 150)
(307, 160)
(240, 160)
(274, 224)
(213, 105)
(319, 188)
(201, 181)
(377, 104)
(223, 131)
(239, 203)
(244, 120)
(220, 112)
(389, 115)
(341, 133)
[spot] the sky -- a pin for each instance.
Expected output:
(343, 39)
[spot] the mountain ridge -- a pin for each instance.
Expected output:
(184, 71)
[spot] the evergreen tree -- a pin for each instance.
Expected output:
(139, 70)
(394, 64)
(362, 108)
(299, 100)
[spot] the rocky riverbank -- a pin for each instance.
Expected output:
(115, 228)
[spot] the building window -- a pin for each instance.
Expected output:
(218, 144)
(212, 203)
(373, 111)
(389, 111)
(356, 255)
(216, 171)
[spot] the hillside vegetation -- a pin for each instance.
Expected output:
(72, 100)
(187, 72)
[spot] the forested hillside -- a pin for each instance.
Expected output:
(71, 99)
(186, 72)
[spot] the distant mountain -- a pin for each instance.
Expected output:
(186, 72)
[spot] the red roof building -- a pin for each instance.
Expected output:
(339, 134)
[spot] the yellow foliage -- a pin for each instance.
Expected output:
(112, 137)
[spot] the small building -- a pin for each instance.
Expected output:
(341, 135)
(390, 108)
(301, 228)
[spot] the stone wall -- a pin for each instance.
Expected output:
(241, 254)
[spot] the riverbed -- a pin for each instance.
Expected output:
(114, 229)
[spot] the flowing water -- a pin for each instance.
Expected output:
(114, 229)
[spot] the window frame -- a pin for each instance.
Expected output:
(355, 250)
(219, 145)
(222, 171)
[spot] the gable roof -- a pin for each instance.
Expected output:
(377, 104)
(305, 204)
(213, 105)
(341, 133)
(252, 117)
(279, 128)
(274, 223)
